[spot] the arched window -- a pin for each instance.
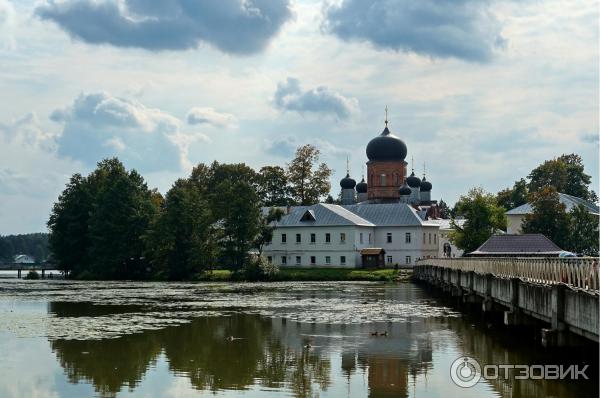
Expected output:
(383, 180)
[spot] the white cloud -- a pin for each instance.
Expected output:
(209, 116)
(7, 24)
(100, 125)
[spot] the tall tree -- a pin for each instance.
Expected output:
(566, 174)
(549, 217)
(273, 186)
(483, 217)
(309, 179)
(68, 225)
(237, 208)
(183, 241)
(445, 212)
(516, 196)
(583, 234)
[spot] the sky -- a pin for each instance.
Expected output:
(481, 91)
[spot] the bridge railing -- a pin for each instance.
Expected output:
(579, 272)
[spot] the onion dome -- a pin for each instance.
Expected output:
(425, 185)
(361, 187)
(404, 190)
(413, 181)
(347, 182)
(386, 147)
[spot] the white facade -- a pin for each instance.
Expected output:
(302, 243)
(514, 223)
(23, 259)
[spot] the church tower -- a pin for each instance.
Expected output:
(386, 168)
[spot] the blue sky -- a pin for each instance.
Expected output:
(480, 90)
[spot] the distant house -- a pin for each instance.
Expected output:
(524, 245)
(516, 216)
(446, 248)
(23, 259)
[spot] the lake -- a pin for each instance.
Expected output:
(133, 339)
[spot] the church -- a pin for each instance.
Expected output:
(386, 221)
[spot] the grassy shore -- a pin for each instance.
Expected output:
(321, 274)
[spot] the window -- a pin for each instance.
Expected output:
(313, 238)
(408, 260)
(369, 237)
(269, 259)
(430, 238)
(342, 237)
(342, 259)
(327, 260)
(298, 238)
(435, 239)
(283, 260)
(361, 237)
(383, 180)
(327, 238)
(298, 260)
(389, 259)
(389, 237)
(423, 237)
(313, 260)
(283, 238)
(407, 237)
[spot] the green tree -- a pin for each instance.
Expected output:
(266, 228)
(549, 217)
(309, 180)
(516, 196)
(566, 174)
(483, 217)
(236, 206)
(445, 211)
(183, 241)
(583, 232)
(273, 186)
(68, 225)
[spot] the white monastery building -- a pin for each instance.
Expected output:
(385, 221)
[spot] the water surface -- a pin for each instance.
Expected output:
(122, 339)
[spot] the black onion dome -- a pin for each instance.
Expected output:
(386, 147)
(404, 190)
(361, 187)
(347, 182)
(425, 185)
(413, 181)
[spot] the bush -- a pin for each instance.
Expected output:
(32, 275)
(260, 270)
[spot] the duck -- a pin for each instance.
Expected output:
(374, 333)
(384, 333)
(230, 338)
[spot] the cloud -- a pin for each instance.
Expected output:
(198, 115)
(464, 29)
(7, 23)
(100, 125)
(240, 27)
(321, 100)
(285, 147)
(590, 138)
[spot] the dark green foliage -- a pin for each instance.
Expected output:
(273, 186)
(35, 245)
(566, 174)
(583, 236)
(483, 218)
(549, 217)
(309, 181)
(33, 275)
(516, 196)
(98, 223)
(445, 211)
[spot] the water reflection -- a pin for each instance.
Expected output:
(278, 354)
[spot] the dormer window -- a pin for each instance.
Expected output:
(309, 215)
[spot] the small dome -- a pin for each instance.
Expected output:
(404, 190)
(347, 182)
(413, 181)
(386, 147)
(361, 187)
(425, 185)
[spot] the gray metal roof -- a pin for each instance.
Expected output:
(568, 200)
(324, 214)
(370, 215)
(387, 214)
(514, 244)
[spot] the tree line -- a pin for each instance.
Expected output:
(110, 225)
(34, 245)
(575, 230)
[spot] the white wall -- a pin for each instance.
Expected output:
(443, 238)
(513, 223)
(398, 249)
